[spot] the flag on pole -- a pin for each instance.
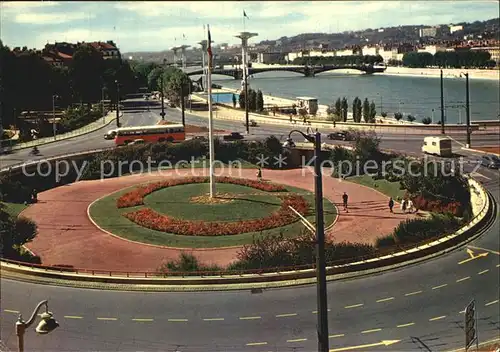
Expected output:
(209, 47)
(245, 14)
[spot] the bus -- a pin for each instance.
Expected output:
(152, 134)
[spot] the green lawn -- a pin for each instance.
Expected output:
(391, 189)
(14, 209)
(105, 213)
(250, 203)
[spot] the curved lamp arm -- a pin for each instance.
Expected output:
(308, 137)
(35, 313)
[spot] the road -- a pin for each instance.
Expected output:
(419, 306)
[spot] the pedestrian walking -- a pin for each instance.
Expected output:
(259, 174)
(403, 205)
(345, 199)
(391, 204)
(410, 206)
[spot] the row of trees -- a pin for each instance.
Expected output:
(360, 110)
(28, 82)
(449, 59)
(255, 100)
(339, 60)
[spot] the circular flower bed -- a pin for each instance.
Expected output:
(151, 219)
(136, 197)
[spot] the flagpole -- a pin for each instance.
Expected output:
(210, 120)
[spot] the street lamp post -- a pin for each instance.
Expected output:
(321, 297)
(432, 116)
(117, 103)
(46, 325)
(442, 104)
(162, 98)
(102, 105)
(54, 129)
(467, 107)
(183, 107)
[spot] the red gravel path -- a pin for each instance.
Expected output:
(67, 236)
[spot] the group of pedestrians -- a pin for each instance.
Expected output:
(406, 206)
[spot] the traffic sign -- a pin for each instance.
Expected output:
(470, 325)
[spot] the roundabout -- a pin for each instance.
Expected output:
(179, 212)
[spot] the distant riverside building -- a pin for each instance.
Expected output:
(427, 32)
(61, 54)
(431, 49)
(370, 50)
(494, 52)
(454, 29)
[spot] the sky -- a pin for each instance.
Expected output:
(157, 26)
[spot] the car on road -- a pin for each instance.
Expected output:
(340, 136)
(111, 134)
(490, 161)
(202, 139)
(233, 136)
(251, 123)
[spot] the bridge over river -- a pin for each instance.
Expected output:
(308, 71)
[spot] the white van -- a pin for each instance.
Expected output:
(440, 146)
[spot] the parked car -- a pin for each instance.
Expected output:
(340, 136)
(251, 123)
(233, 136)
(490, 161)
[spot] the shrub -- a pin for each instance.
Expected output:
(159, 222)
(419, 230)
(186, 263)
(411, 118)
(398, 116)
(426, 120)
(385, 241)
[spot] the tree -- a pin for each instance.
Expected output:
(383, 114)
(411, 118)
(234, 100)
(242, 99)
(154, 78)
(338, 107)
(252, 96)
(14, 232)
(398, 116)
(345, 108)
(355, 109)
(260, 101)
(176, 82)
(426, 120)
(373, 112)
(366, 110)
(86, 72)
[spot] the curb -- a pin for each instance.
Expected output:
(479, 151)
(64, 277)
(66, 138)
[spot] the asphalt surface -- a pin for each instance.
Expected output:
(419, 307)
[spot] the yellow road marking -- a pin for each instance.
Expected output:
(354, 306)
(437, 318)
(142, 320)
(11, 311)
(296, 340)
(286, 315)
(213, 319)
(334, 336)
(369, 331)
(385, 299)
(463, 279)
(405, 325)
(413, 293)
(470, 252)
(73, 317)
(249, 318)
(485, 249)
(490, 303)
(483, 272)
(177, 320)
(113, 319)
(436, 287)
(256, 343)
(350, 348)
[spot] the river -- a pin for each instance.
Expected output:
(417, 96)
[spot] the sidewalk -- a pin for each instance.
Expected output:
(94, 126)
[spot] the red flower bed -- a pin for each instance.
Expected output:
(437, 206)
(284, 216)
(136, 197)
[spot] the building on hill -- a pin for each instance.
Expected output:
(107, 49)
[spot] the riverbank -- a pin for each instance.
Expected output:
(436, 72)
